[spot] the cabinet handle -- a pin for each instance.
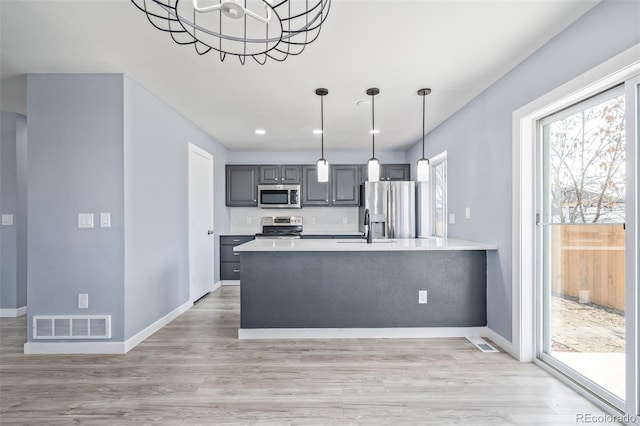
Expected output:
(236, 254)
(236, 241)
(236, 270)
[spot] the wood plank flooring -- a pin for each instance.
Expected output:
(195, 371)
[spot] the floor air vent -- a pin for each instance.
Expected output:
(482, 344)
(72, 327)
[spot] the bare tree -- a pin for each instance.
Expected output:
(587, 164)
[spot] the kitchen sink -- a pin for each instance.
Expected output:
(365, 241)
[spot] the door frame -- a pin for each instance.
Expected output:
(616, 70)
(199, 151)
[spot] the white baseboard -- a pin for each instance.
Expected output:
(230, 282)
(504, 344)
(139, 337)
(108, 348)
(12, 313)
(66, 348)
(360, 333)
(216, 286)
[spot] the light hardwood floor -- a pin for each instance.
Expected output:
(195, 371)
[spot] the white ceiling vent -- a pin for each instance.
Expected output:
(72, 327)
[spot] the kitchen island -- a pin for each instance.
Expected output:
(348, 284)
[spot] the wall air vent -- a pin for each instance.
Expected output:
(72, 327)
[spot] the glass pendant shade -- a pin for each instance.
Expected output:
(323, 170)
(423, 170)
(373, 170)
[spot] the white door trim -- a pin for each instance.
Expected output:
(614, 71)
(199, 151)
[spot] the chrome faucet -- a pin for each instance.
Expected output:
(367, 226)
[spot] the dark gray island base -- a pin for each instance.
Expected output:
(371, 286)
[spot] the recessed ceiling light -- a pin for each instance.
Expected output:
(317, 131)
(374, 131)
(260, 132)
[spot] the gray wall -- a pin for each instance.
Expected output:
(76, 163)
(102, 143)
(13, 262)
(310, 157)
(478, 137)
(156, 214)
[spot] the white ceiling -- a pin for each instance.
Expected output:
(457, 48)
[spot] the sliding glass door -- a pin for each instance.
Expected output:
(582, 243)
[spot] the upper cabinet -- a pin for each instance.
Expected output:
(343, 188)
(290, 174)
(314, 193)
(389, 172)
(276, 174)
(241, 186)
(345, 185)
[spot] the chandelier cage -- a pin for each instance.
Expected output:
(260, 29)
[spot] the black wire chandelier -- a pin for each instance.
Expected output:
(259, 29)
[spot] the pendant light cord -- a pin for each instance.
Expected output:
(373, 126)
(423, 119)
(322, 126)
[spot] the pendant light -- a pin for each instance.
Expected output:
(373, 165)
(423, 163)
(322, 164)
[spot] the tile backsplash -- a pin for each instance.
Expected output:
(315, 219)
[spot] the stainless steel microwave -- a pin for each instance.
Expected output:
(279, 196)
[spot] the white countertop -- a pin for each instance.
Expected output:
(418, 244)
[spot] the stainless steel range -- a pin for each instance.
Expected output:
(283, 227)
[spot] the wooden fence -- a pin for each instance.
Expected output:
(589, 258)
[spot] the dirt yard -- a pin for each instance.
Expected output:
(577, 327)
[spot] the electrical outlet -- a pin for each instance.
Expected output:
(7, 219)
(422, 297)
(249, 220)
(313, 220)
(83, 301)
(344, 220)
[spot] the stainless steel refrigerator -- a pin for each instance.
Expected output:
(392, 209)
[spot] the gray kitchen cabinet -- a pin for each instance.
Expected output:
(241, 186)
(276, 174)
(396, 172)
(388, 172)
(345, 185)
(230, 260)
(290, 174)
(314, 193)
(269, 174)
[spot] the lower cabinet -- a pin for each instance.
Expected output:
(229, 260)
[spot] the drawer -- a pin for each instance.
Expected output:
(227, 254)
(234, 240)
(229, 270)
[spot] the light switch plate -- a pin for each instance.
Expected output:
(7, 219)
(105, 220)
(467, 213)
(452, 218)
(83, 301)
(85, 220)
